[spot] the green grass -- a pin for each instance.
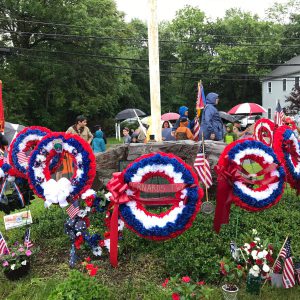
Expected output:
(143, 264)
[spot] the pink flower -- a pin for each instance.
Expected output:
(175, 296)
(21, 249)
(201, 282)
(5, 264)
(165, 282)
(186, 279)
(28, 252)
(13, 254)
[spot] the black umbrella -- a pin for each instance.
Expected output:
(129, 113)
(230, 118)
(11, 130)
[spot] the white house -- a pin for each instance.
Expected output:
(278, 85)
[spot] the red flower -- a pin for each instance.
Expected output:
(78, 241)
(165, 282)
(101, 243)
(88, 259)
(89, 266)
(87, 221)
(89, 201)
(186, 279)
(201, 282)
(106, 234)
(175, 296)
(93, 271)
(269, 258)
(259, 262)
(239, 267)
(252, 245)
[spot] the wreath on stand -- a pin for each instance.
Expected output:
(253, 190)
(263, 131)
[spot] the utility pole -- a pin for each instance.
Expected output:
(154, 74)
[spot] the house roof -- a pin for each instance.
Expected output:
(290, 67)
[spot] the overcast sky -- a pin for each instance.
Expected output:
(212, 8)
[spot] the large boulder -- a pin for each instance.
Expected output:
(117, 158)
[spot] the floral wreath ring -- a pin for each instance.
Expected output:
(254, 191)
(287, 148)
(63, 190)
(126, 188)
(23, 142)
(263, 131)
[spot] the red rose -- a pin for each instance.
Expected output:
(175, 296)
(239, 267)
(201, 282)
(78, 241)
(259, 262)
(101, 243)
(89, 266)
(252, 245)
(93, 271)
(88, 259)
(165, 282)
(89, 201)
(186, 279)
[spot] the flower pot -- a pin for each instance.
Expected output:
(253, 284)
(229, 294)
(17, 273)
(276, 280)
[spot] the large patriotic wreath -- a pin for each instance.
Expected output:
(126, 188)
(263, 131)
(286, 146)
(253, 189)
(63, 190)
(25, 141)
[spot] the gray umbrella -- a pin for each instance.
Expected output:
(11, 130)
(129, 113)
(230, 118)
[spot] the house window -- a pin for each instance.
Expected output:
(269, 87)
(269, 113)
(284, 84)
(296, 82)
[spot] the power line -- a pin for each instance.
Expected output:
(231, 44)
(85, 54)
(84, 27)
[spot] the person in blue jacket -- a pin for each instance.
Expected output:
(184, 113)
(98, 144)
(211, 121)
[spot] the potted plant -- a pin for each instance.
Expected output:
(15, 261)
(233, 273)
(258, 256)
(185, 288)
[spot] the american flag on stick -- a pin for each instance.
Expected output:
(27, 242)
(196, 129)
(3, 246)
(288, 277)
(73, 210)
(202, 167)
(22, 158)
(297, 271)
(279, 115)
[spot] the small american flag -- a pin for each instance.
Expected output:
(27, 241)
(297, 271)
(3, 246)
(202, 168)
(288, 277)
(196, 130)
(22, 158)
(73, 210)
(279, 115)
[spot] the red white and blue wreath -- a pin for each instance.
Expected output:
(263, 131)
(127, 186)
(252, 191)
(25, 141)
(287, 149)
(63, 190)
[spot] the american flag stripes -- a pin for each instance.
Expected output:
(201, 165)
(73, 210)
(279, 115)
(297, 272)
(288, 277)
(27, 242)
(22, 158)
(3, 246)
(196, 130)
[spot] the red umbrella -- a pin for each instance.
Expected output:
(170, 116)
(247, 108)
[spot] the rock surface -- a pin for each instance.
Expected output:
(116, 158)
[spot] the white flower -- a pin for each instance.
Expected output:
(257, 239)
(254, 231)
(247, 246)
(253, 272)
(97, 251)
(265, 253)
(108, 195)
(78, 233)
(120, 225)
(82, 213)
(266, 268)
(255, 268)
(107, 244)
(260, 255)
(24, 262)
(13, 266)
(254, 254)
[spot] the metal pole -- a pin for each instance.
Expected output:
(154, 74)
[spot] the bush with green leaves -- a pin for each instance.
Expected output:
(80, 287)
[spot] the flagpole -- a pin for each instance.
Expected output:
(206, 190)
(276, 259)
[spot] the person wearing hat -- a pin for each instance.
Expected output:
(211, 121)
(237, 129)
(229, 136)
(183, 132)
